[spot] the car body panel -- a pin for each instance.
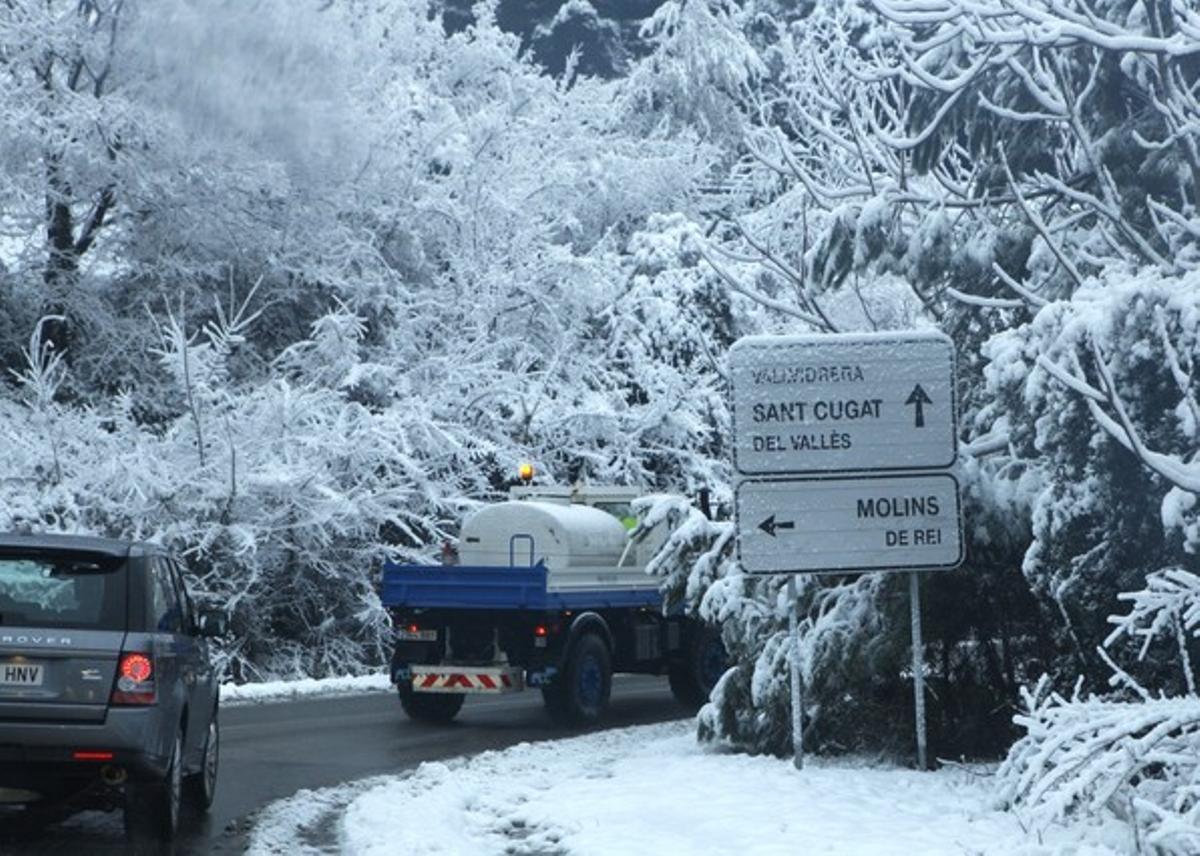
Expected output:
(78, 670)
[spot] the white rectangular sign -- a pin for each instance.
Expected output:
(859, 402)
(844, 525)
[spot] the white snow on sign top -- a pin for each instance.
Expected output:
(653, 790)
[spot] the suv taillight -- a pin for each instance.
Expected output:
(135, 680)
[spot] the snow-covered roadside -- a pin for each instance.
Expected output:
(652, 789)
(271, 691)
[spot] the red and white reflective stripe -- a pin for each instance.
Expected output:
(491, 680)
(464, 681)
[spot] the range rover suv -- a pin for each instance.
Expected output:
(108, 694)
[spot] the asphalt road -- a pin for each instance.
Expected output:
(270, 751)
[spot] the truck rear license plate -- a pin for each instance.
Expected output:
(407, 634)
(21, 675)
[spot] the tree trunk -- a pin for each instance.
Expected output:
(64, 249)
(62, 262)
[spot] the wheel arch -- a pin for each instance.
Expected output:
(589, 622)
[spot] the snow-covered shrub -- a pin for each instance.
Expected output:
(695, 552)
(1137, 757)
(823, 223)
(840, 659)
(284, 498)
(845, 657)
(1100, 399)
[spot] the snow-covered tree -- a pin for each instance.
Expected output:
(700, 71)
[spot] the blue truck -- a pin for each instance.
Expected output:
(548, 591)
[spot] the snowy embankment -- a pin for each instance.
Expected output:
(654, 790)
(271, 691)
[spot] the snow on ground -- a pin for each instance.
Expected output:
(654, 790)
(271, 691)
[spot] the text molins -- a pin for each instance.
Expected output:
(898, 506)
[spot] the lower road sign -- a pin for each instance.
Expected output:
(843, 525)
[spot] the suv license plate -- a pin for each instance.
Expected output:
(21, 675)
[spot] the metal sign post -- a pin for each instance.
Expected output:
(918, 666)
(797, 676)
(842, 445)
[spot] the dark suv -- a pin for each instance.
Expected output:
(108, 694)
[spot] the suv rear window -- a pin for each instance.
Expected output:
(73, 590)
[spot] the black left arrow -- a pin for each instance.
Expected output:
(771, 524)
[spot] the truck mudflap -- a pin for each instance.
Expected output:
(467, 679)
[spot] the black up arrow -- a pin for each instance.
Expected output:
(770, 525)
(919, 398)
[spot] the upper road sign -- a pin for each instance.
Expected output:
(860, 402)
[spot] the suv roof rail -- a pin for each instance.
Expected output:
(83, 543)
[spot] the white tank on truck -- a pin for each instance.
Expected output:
(582, 546)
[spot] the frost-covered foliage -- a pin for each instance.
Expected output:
(1113, 442)
(1024, 175)
(294, 312)
(806, 234)
(284, 504)
(841, 625)
(1033, 171)
(701, 67)
(694, 553)
(750, 707)
(1139, 759)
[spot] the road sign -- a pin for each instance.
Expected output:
(846, 525)
(860, 402)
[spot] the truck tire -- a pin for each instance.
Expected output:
(152, 808)
(704, 662)
(579, 695)
(437, 708)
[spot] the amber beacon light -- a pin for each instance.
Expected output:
(525, 471)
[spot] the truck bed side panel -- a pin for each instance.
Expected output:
(497, 587)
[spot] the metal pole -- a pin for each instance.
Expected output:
(797, 679)
(918, 666)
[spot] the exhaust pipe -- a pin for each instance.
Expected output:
(113, 775)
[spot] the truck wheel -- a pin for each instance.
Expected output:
(704, 663)
(579, 696)
(437, 708)
(200, 788)
(152, 807)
